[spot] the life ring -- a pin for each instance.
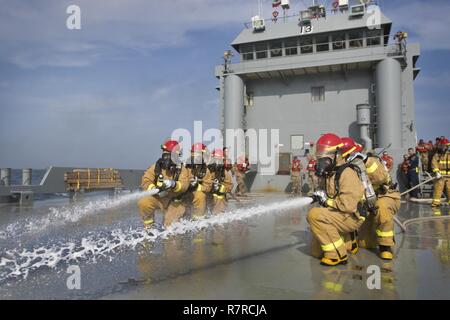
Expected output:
(339, 43)
(275, 14)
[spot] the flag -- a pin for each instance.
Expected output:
(276, 3)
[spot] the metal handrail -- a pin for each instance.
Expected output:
(284, 19)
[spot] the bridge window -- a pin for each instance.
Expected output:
(373, 37)
(306, 45)
(247, 52)
(322, 43)
(339, 41)
(276, 49)
(356, 39)
(261, 50)
(290, 47)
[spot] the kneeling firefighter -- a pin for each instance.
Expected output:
(382, 200)
(222, 181)
(338, 213)
(171, 179)
(200, 180)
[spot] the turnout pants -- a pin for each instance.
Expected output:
(424, 160)
(172, 210)
(312, 181)
(439, 186)
(198, 204)
(296, 179)
(378, 229)
(240, 179)
(328, 226)
(219, 204)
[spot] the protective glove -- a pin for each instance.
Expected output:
(438, 175)
(320, 197)
(168, 184)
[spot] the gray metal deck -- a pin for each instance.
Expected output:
(265, 257)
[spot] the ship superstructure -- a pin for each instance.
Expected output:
(321, 71)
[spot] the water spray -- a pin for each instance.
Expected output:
(17, 263)
(61, 216)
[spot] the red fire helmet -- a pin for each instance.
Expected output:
(171, 146)
(328, 144)
(350, 146)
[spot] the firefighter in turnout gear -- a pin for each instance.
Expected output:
(423, 149)
(200, 180)
(338, 214)
(440, 164)
(222, 181)
(170, 179)
(296, 176)
(241, 169)
(380, 221)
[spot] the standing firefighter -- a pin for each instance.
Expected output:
(312, 177)
(423, 149)
(222, 183)
(171, 179)
(338, 213)
(440, 165)
(296, 176)
(200, 180)
(381, 198)
(241, 169)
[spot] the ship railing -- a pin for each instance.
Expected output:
(281, 18)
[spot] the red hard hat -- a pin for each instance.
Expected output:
(444, 142)
(218, 153)
(198, 147)
(171, 146)
(328, 144)
(350, 146)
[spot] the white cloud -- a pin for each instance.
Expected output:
(34, 33)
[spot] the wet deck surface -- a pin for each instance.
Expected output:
(261, 257)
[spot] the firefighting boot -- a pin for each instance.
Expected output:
(333, 262)
(386, 253)
(354, 238)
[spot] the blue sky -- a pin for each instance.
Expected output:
(108, 95)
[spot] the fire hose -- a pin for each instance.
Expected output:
(405, 223)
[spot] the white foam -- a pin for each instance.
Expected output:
(18, 263)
